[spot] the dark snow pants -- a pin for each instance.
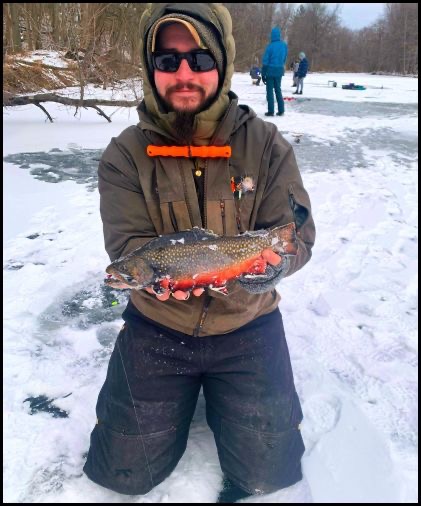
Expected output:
(147, 402)
(273, 84)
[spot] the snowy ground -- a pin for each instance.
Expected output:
(350, 315)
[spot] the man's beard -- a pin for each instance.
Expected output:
(184, 118)
(184, 125)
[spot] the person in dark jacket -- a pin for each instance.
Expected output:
(273, 70)
(255, 75)
(172, 344)
(301, 73)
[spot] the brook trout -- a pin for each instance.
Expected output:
(198, 258)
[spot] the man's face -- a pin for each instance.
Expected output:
(184, 90)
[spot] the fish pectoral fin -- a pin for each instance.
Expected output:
(219, 289)
(158, 289)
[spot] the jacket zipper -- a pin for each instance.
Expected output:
(222, 207)
(202, 319)
(299, 218)
(208, 298)
(205, 200)
(291, 194)
(292, 202)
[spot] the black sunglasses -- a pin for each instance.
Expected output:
(170, 61)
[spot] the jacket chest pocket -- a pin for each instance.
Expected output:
(175, 216)
(177, 196)
(169, 217)
(244, 208)
(244, 193)
(221, 216)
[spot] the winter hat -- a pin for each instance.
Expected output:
(205, 36)
(302, 55)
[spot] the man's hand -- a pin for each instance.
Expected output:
(271, 257)
(264, 80)
(178, 294)
(276, 269)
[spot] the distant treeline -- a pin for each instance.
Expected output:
(111, 31)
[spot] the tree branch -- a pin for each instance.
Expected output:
(10, 100)
(101, 113)
(45, 110)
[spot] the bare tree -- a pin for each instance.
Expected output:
(252, 23)
(402, 36)
(283, 18)
(11, 23)
(105, 40)
(314, 29)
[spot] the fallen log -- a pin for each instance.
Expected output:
(10, 100)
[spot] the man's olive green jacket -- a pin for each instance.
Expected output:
(142, 197)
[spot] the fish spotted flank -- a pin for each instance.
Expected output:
(198, 258)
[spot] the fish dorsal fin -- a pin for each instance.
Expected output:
(185, 237)
(197, 234)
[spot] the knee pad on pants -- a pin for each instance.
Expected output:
(132, 464)
(260, 462)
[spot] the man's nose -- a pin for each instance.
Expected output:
(184, 71)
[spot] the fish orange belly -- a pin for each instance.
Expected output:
(218, 278)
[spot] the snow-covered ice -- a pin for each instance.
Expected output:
(350, 315)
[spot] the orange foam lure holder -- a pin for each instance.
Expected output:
(190, 151)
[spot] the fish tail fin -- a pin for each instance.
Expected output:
(284, 239)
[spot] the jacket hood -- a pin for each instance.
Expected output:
(275, 34)
(218, 19)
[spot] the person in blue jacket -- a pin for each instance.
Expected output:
(255, 75)
(273, 69)
(302, 72)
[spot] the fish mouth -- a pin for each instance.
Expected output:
(115, 278)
